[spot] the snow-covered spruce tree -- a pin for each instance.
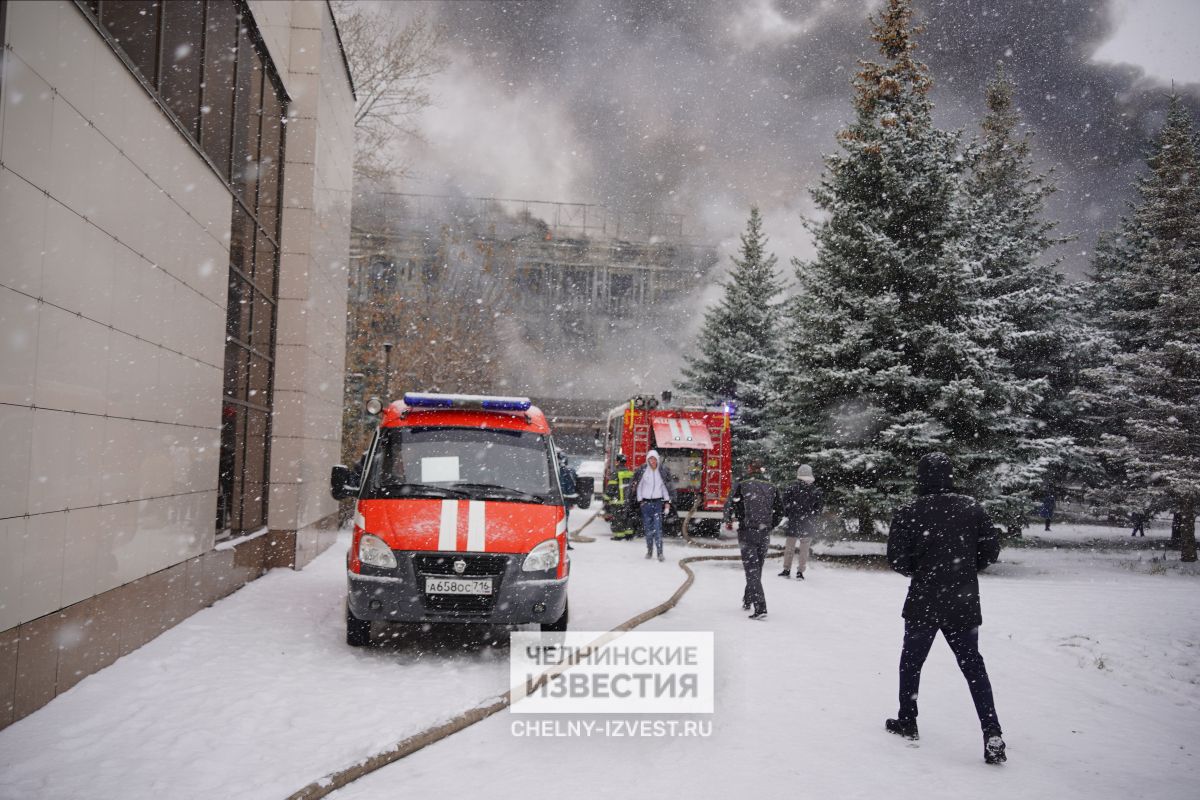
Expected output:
(738, 344)
(1109, 299)
(883, 360)
(1149, 294)
(1025, 309)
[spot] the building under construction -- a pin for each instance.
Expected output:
(570, 273)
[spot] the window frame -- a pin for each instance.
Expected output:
(248, 369)
(243, 12)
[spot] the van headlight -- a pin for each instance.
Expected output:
(542, 557)
(374, 551)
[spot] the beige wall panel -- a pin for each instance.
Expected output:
(22, 229)
(72, 358)
(12, 544)
(18, 347)
(41, 566)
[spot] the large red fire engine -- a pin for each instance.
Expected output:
(694, 442)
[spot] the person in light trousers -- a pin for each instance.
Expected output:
(802, 502)
(650, 493)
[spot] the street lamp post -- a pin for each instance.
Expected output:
(387, 371)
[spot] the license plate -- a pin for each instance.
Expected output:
(458, 586)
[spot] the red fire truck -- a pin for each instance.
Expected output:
(694, 442)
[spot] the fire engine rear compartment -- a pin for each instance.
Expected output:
(694, 443)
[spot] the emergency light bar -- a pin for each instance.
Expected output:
(475, 401)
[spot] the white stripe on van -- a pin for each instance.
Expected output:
(448, 531)
(687, 429)
(674, 428)
(476, 540)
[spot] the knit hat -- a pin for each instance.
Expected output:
(805, 473)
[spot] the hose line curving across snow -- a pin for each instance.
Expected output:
(407, 746)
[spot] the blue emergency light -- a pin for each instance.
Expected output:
(421, 400)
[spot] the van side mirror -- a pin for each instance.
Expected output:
(596, 440)
(342, 483)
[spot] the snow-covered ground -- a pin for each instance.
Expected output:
(1095, 658)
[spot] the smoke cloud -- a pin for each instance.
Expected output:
(704, 108)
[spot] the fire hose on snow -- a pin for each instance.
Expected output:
(418, 741)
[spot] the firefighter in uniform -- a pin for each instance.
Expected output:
(623, 523)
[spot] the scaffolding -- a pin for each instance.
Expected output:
(562, 219)
(578, 257)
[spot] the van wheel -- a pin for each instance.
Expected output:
(358, 631)
(559, 625)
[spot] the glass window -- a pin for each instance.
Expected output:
(220, 57)
(268, 161)
(467, 462)
(264, 264)
(134, 24)
(229, 419)
(242, 233)
(260, 379)
(246, 117)
(254, 492)
(237, 372)
(232, 461)
(264, 323)
(241, 299)
(179, 84)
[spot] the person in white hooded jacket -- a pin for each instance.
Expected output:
(650, 493)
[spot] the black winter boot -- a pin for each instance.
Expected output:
(902, 727)
(993, 749)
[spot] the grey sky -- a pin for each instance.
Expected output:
(1158, 36)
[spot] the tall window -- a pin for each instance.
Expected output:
(209, 70)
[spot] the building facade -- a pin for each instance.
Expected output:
(175, 189)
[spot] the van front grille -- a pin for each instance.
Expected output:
(477, 565)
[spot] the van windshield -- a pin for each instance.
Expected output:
(470, 463)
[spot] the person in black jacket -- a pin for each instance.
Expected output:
(941, 541)
(802, 501)
(758, 509)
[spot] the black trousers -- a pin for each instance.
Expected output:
(918, 638)
(754, 553)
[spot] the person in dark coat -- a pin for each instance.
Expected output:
(1139, 523)
(802, 502)
(651, 490)
(941, 541)
(1046, 510)
(758, 509)
(567, 478)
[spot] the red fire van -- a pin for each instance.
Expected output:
(459, 517)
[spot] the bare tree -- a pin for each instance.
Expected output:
(392, 61)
